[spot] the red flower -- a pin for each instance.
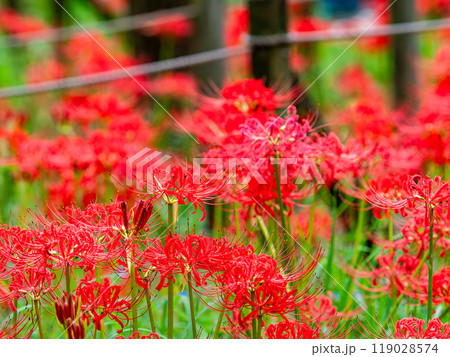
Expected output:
(175, 26)
(291, 330)
(138, 336)
(412, 327)
(419, 194)
(180, 184)
(99, 301)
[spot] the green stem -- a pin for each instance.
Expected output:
(170, 295)
(170, 310)
(94, 332)
(265, 233)
(430, 268)
(150, 310)
(280, 200)
(133, 295)
(15, 316)
(218, 325)
(218, 218)
(358, 234)
(391, 239)
(254, 328)
(399, 299)
(98, 275)
(258, 332)
(67, 272)
(38, 318)
(311, 215)
(103, 330)
(191, 306)
(332, 241)
(445, 312)
(236, 219)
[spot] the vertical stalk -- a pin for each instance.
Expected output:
(358, 234)
(67, 273)
(15, 315)
(170, 310)
(254, 328)
(430, 268)
(150, 310)
(280, 199)
(312, 212)
(266, 236)
(391, 239)
(333, 234)
(236, 219)
(259, 328)
(98, 275)
(170, 296)
(218, 325)
(218, 218)
(191, 306)
(133, 294)
(37, 309)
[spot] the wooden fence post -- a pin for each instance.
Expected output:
(405, 54)
(268, 17)
(209, 36)
(149, 46)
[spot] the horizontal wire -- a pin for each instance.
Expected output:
(122, 24)
(223, 53)
(113, 75)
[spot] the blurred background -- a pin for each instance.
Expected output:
(70, 115)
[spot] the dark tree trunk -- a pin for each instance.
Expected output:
(268, 17)
(147, 46)
(209, 36)
(405, 55)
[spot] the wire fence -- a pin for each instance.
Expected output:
(123, 24)
(225, 53)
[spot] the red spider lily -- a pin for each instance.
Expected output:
(175, 26)
(321, 224)
(437, 7)
(222, 117)
(236, 25)
(177, 85)
(419, 194)
(17, 248)
(85, 175)
(407, 328)
(18, 329)
(16, 24)
(412, 327)
(440, 289)
(356, 82)
(112, 7)
(398, 272)
(259, 284)
(99, 301)
(86, 109)
(67, 245)
(257, 144)
(180, 184)
(387, 186)
(197, 255)
(415, 237)
(138, 336)
(291, 330)
(441, 286)
(30, 283)
(46, 71)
